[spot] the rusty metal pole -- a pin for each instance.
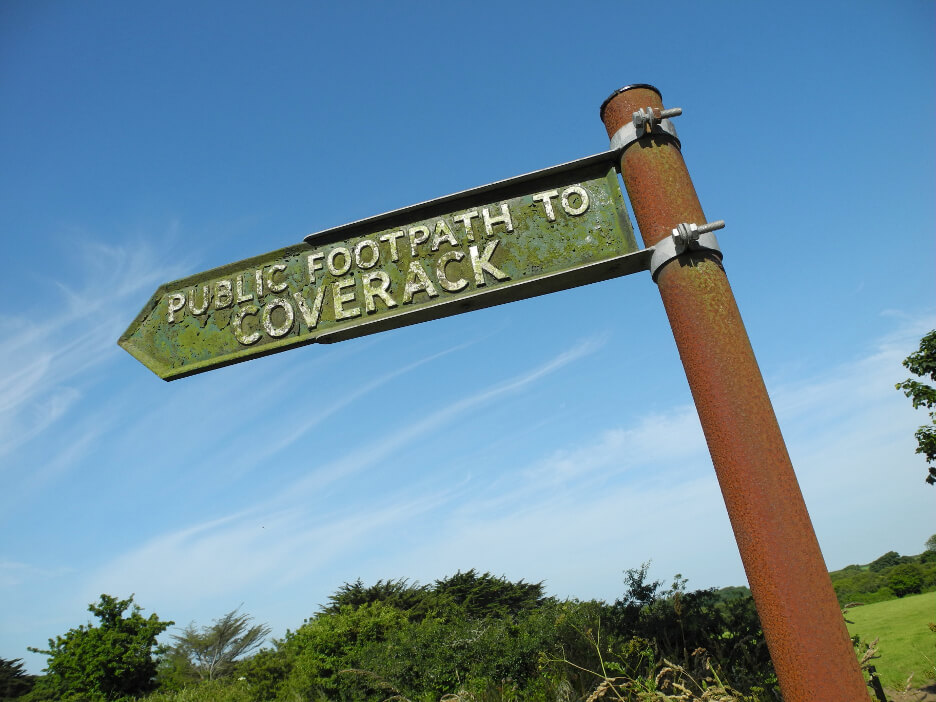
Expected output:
(800, 616)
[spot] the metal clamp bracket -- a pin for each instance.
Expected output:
(644, 122)
(684, 238)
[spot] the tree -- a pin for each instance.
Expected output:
(14, 680)
(111, 661)
(905, 579)
(888, 560)
(213, 649)
(396, 593)
(922, 363)
(487, 595)
(931, 543)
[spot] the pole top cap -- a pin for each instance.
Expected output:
(624, 89)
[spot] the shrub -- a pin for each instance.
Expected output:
(108, 661)
(327, 644)
(891, 558)
(905, 579)
(207, 691)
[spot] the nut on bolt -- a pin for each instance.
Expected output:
(645, 119)
(686, 235)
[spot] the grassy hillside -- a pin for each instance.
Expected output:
(906, 645)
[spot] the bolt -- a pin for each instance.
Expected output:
(684, 233)
(645, 119)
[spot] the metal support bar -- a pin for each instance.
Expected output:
(800, 616)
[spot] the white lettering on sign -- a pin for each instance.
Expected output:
(417, 235)
(206, 298)
(374, 254)
(417, 281)
(176, 303)
(314, 261)
(246, 339)
(345, 260)
(446, 255)
(275, 287)
(450, 285)
(575, 211)
(311, 316)
(442, 233)
(242, 294)
(341, 298)
(546, 199)
(491, 220)
(382, 290)
(391, 239)
(224, 295)
(465, 220)
(281, 329)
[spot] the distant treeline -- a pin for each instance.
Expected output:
(885, 578)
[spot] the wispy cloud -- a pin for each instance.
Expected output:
(660, 437)
(254, 547)
(376, 451)
(314, 418)
(14, 573)
(297, 530)
(578, 516)
(44, 361)
(575, 517)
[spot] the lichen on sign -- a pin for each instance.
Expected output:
(524, 237)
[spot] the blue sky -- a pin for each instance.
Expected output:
(552, 439)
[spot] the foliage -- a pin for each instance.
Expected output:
(111, 661)
(482, 637)
(666, 682)
(396, 593)
(922, 363)
(14, 680)
(475, 636)
(905, 579)
(680, 622)
(476, 595)
(227, 690)
(865, 585)
(324, 646)
(263, 672)
(724, 594)
(888, 560)
(444, 651)
(212, 650)
(488, 595)
(931, 544)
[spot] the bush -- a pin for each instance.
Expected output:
(328, 644)
(109, 661)
(207, 691)
(905, 579)
(14, 680)
(891, 558)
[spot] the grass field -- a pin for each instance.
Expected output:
(906, 643)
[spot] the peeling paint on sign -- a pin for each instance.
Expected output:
(527, 236)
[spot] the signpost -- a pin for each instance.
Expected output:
(546, 231)
(533, 234)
